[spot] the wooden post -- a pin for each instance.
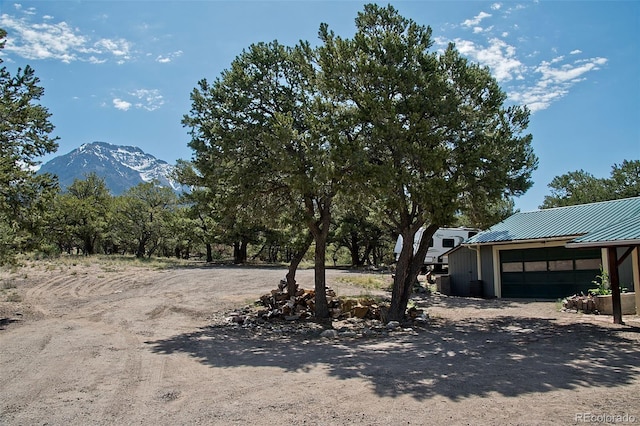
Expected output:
(636, 276)
(614, 280)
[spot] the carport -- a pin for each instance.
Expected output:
(624, 234)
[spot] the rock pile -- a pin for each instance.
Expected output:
(580, 303)
(279, 304)
(351, 317)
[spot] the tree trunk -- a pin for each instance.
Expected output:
(88, 246)
(365, 256)
(274, 249)
(297, 257)
(243, 250)
(255, 256)
(375, 255)
(209, 253)
(407, 270)
(141, 249)
(238, 258)
(320, 230)
(355, 250)
(322, 306)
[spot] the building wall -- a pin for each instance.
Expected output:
(487, 273)
(490, 262)
(463, 268)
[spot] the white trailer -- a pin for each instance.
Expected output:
(444, 239)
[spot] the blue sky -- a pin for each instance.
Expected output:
(122, 71)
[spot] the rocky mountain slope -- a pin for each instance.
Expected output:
(120, 166)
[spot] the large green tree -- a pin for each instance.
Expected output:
(24, 137)
(359, 231)
(437, 132)
(493, 212)
(142, 216)
(222, 216)
(625, 179)
(87, 205)
(201, 204)
(577, 187)
(268, 143)
(425, 135)
(581, 187)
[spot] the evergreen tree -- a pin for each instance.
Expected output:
(24, 137)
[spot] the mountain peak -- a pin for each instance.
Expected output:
(120, 166)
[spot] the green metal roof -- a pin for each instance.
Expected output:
(571, 221)
(626, 232)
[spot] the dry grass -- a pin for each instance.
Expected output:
(367, 282)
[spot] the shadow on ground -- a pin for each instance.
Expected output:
(427, 300)
(508, 355)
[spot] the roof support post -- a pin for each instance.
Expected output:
(635, 258)
(614, 280)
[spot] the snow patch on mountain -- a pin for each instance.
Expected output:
(120, 166)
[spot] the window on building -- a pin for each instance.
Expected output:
(448, 242)
(584, 264)
(537, 266)
(561, 265)
(512, 267)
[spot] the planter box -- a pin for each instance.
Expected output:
(628, 300)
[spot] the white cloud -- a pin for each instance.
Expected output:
(58, 40)
(121, 105)
(94, 60)
(119, 48)
(476, 20)
(441, 41)
(555, 82)
(567, 72)
(42, 41)
(537, 97)
(169, 58)
(535, 83)
(526, 80)
(499, 56)
(149, 99)
(478, 30)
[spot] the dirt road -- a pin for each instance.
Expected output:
(101, 343)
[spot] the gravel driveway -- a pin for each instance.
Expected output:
(102, 342)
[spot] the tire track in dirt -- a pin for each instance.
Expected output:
(96, 360)
(59, 368)
(95, 364)
(120, 403)
(60, 290)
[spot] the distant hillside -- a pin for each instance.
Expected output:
(120, 166)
